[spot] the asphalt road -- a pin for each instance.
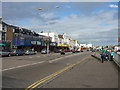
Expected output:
(53, 71)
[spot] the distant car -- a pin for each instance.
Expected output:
(5, 53)
(65, 50)
(58, 51)
(45, 51)
(62, 53)
(17, 52)
(81, 50)
(29, 52)
(73, 51)
(78, 50)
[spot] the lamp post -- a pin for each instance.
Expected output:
(47, 44)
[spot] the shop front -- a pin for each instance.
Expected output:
(22, 42)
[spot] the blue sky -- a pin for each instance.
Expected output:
(88, 22)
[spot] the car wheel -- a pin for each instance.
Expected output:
(17, 54)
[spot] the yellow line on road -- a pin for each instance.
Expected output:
(39, 82)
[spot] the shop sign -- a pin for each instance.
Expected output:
(33, 42)
(39, 43)
(53, 44)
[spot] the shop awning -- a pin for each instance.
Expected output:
(2, 44)
(63, 45)
(69, 45)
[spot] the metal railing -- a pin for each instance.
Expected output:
(116, 59)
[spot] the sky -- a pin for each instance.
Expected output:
(87, 22)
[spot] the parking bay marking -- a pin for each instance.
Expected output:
(41, 81)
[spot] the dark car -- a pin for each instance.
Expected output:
(5, 53)
(29, 52)
(81, 50)
(58, 51)
(17, 52)
(62, 53)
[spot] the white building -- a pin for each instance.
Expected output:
(53, 35)
(86, 45)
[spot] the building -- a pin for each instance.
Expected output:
(58, 40)
(54, 39)
(5, 43)
(22, 38)
(86, 46)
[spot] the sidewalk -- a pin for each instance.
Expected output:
(89, 74)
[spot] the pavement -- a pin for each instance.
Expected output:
(89, 74)
(78, 70)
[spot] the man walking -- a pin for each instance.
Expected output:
(102, 57)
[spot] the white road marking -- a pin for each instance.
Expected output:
(30, 57)
(22, 66)
(62, 58)
(40, 62)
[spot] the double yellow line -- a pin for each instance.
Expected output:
(39, 82)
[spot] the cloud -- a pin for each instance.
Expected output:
(86, 28)
(113, 6)
(78, 21)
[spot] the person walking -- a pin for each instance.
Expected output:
(107, 55)
(102, 57)
(112, 55)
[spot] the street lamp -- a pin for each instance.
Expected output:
(57, 6)
(47, 44)
(39, 8)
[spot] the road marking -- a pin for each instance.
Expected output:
(63, 57)
(41, 81)
(30, 57)
(22, 66)
(38, 63)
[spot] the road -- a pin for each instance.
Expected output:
(78, 70)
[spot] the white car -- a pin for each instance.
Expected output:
(118, 52)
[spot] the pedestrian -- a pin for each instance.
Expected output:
(112, 55)
(102, 57)
(107, 55)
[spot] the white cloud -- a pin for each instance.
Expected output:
(113, 6)
(47, 15)
(83, 28)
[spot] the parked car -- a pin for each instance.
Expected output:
(81, 50)
(58, 51)
(5, 53)
(62, 53)
(65, 50)
(118, 51)
(45, 51)
(73, 51)
(17, 52)
(29, 52)
(78, 50)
